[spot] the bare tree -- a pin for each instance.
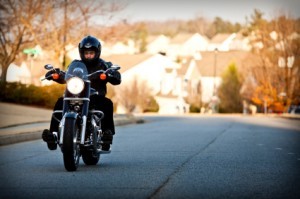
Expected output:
(79, 19)
(136, 94)
(51, 24)
(19, 23)
(277, 44)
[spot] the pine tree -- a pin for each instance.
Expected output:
(229, 91)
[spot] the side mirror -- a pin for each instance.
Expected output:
(115, 67)
(48, 67)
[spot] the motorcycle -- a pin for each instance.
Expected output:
(80, 133)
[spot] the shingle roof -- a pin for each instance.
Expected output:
(241, 59)
(184, 66)
(181, 38)
(219, 38)
(205, 66)
(126, 61)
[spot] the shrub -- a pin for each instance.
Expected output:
(194, 108)
(31, 95)
(151, 106)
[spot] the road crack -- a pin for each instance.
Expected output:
(180, 167)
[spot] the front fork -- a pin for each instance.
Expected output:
(83, 122)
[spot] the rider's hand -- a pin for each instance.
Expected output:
(114, 77)
(50, 75)
(112, 74)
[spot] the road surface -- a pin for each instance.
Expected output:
(168, 157)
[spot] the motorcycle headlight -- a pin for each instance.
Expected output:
(75, 85)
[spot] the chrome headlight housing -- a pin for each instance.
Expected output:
(75, 85)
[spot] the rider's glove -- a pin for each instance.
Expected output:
(114, 77)
(111, 73)
(54, 75)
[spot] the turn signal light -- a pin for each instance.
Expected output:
(103, 76)
(55, 76)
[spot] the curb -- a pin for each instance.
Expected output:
(37, 134)
(21, 137)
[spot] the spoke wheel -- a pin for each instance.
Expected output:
(71, 149)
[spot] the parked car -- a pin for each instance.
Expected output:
(294, 109)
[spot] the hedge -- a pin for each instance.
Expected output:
(45, 96)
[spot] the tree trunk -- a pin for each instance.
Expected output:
(4, 73)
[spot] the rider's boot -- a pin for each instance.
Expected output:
(107, 139)
(50, 138)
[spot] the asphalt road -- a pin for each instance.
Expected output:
(168, 157)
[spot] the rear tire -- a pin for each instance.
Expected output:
(88, 155)
(70, 148)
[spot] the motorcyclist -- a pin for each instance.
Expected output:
(90, 51)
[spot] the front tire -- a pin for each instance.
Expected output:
(70, 148)
(89, 158)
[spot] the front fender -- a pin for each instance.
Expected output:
(72, 115)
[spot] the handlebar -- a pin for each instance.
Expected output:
(104, 71)
(50, 67)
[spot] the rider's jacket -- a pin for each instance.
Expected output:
(114, 78)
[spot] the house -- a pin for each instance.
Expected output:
(30, 68)
(165, 77)
(20, 74)
(187, 45)
(126, 61)
(194, 78)
(240, 42)
(153, 71)
(221, 42)
(157, 44)
(119, 47)
(213, 64)
(72, 52)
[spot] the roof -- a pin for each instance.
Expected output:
(181, 38)
(184, 66)
(219, 38)
(241, 59)
(152, 38)
(126, 61)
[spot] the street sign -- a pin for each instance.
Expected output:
(31, 51)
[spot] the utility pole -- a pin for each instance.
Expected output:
(214, 97)
(65, 35)
(215, 70)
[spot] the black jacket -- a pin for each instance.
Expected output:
(99, 84)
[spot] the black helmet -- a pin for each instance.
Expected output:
(91, 43)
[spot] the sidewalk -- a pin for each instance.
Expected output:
(22, 123)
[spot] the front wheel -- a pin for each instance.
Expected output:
(89, 158)
(70, 148)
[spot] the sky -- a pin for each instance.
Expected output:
(229, 10)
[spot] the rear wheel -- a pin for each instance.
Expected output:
(89, 155)
(70, 148)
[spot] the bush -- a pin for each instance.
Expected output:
(151, 105)
(229, 91)
(194, 108)
(31, 95)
